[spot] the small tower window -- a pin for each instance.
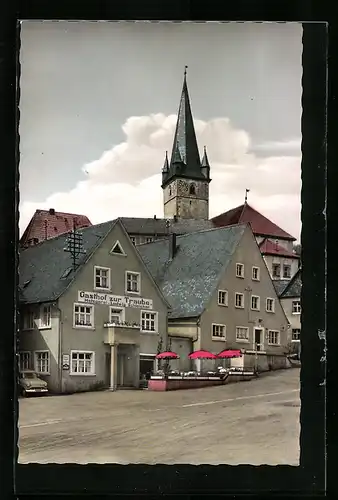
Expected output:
(192, 189)
(169, 190)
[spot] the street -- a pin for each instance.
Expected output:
(254, 422)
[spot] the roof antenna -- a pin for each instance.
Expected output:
(74, 245)
(246, 195)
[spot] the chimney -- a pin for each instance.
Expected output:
(155, 217)
(172, 245)
(52, 211)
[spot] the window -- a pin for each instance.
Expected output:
(222, 298)
(42, 361)
(218, 331)
(117, 249)
(38, 318)
(45, 317)
(82, 363)
(102, 278)
(133, 282)
(148, 321)
(117, 315)
(240, 270)
(255, 273)
(296, 309)
(270, 305)
(24, 360)
(273, 337)
(133, 239)
(276, 270)
(169, 190)
(239, 300)
(30, 320)
(255, 302)
(295, 335)
(242, 333)
(83, 316)
(286, 271)
(149, 239)
(192, 189)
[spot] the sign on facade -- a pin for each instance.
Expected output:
(114, 300)
(65, 362)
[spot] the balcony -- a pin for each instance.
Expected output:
(121, 333)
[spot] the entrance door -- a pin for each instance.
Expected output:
(120, 369)
(258, 339)
(147, 367)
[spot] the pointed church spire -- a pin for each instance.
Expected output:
(165, 168)
(185, 159)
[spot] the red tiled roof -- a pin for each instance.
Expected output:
(260, 225)
(46, 224)
(271, 248)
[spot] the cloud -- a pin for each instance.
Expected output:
(288, 147)
(126, 180)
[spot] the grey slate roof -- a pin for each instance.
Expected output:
(188, 280)
(280, 286)
(44, 264)
(294, 287)
(150, 226)
(41, 267)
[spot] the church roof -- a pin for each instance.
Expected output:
(163, 227)
(191, 276)
(260, 225)
(268, 247)
(185, 160)
(46, 224)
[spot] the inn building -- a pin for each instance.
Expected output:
(92, 321)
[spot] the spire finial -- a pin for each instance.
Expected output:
(246, 195)
(185, 71)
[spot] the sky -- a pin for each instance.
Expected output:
(98, 107)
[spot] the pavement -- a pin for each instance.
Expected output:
(254, 422)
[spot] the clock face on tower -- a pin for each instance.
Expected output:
(183, 186)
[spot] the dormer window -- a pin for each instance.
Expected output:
(192, 189)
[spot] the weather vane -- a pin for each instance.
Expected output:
(185, 70)
(246, 194)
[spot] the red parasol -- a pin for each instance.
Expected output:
(230, 353)
(167, 355)
(202, 355)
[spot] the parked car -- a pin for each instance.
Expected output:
(31, 383)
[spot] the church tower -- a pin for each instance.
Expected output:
(185, 179)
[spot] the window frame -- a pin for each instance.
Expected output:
(41, 351)
(226, 301)
(96, 268)
(121, 309)
(280, 270)
(258, 308)
(242, 276)
(29, 360)
(288, 276)
(300, 307)
(221, 338)
(258, 273)
(299, 333)
(37, 313)
(135, 273)
(273, 305)
(268, 339)
(239, 339)
(243, 301)
(82, 374)
(86, 327)
(144, 311)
